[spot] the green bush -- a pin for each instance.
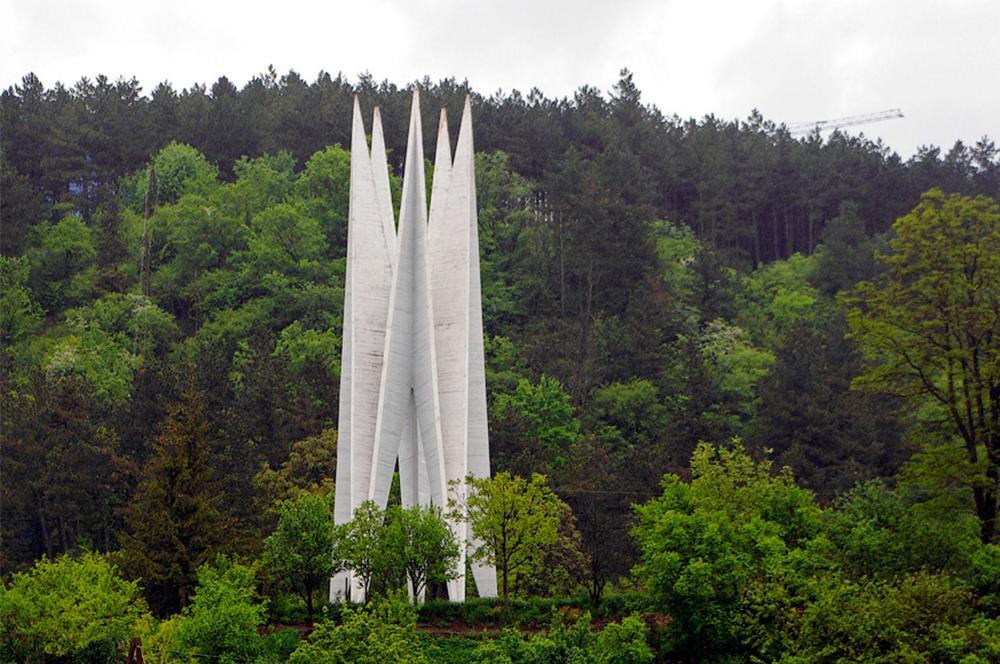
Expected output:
(534, 611)
(72, 609)
(449, 649)
(222, 620)
(922, 617)
(381, 632)
(617, 643)
(279, 646)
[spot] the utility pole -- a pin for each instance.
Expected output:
(147, 213)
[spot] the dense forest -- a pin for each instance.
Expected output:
(755, 379)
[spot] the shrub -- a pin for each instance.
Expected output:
(381, 632)
(223, 618)
(72, 608)
(621, 643)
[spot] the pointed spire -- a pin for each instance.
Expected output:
(410, 364)
(442, 173)
(380, 170)
(414, 188)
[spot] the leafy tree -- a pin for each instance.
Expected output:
(424, 544)
(734, 367)
(300, 550)
(310, 468)
(361, 545)
(921, 617)
(62, 262)
(880, 533)
(180, 169)
(324, 184)
(562, 567)
(714, 550)
(929, 327)
(174, 521)
(633, 411)
(68, 609)
(514, 520)
(381, 631)
(106, 341)
(548, 411)
(20, 315)
(846, 254)
(223, 619)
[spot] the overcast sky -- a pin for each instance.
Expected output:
(795, 61)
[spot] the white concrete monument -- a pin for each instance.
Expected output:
(412, 384)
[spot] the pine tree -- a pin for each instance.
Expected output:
(174, 524)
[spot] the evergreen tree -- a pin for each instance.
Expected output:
(174, 523)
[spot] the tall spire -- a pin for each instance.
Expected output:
(366, 303)
(410, 365)
(413, 384)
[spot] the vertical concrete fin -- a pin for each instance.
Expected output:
(442, 174)
(477, 434)
(380, 170)
(409, 348)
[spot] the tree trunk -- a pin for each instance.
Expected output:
(986, 506)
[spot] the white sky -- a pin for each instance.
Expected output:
(939, 61)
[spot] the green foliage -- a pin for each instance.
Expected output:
(310, 467)
(880, 533)
(634, 411)
(734, 367)
(20, 315)
(174, 522)
(299, 551)
(707, 545)
(68, 609)
(360, 545)
(62, 259)
(106, 341)
(548, 411)
(382, 631)
(180, 169)
(929, 326)
(920, 618)
(324, 184)
(514, 520)
(424, 544)
(617, 643)
(223, 618)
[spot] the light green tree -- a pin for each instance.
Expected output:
(360, 544)
(930, 329)
(62, 258)
(180, 169)
(547, 409)
(68, 609)
(20, 315)
(713, 551)
(299, 551)
(514, 520)
(222, 621)
(426, 547)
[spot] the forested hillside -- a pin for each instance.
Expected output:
(172, 297)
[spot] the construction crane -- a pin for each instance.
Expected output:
(800, 128)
